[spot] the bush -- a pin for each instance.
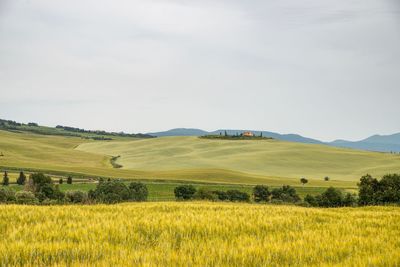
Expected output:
(112, 191)
(385, 191)
(6, 195)
(138, 191)
(238, 196)
(25, 197)
(285, 194)
(261, 193)
(332, 197)
(49, 191)
(309, 199)
(76, 196)
(184, 192)
(39, 179)
(205, 194)
(69, 180)
(221, 195)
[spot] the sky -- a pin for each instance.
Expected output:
(323, 69)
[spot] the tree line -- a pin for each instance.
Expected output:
(40, 189)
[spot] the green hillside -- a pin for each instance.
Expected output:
(192, 159)
(256, 157)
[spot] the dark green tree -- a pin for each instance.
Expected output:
(303, 181)
(184, 192)
(326, 178)
(61, 181)
(112, 191)
(69, 180)
(261, 193)
(139, 191)
(6, 180)
(285, 194)
(238, 196)
(21, 178)
(368, 188)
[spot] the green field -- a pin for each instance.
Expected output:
(270, 162)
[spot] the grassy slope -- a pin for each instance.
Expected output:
(193, 159)
(259, 157)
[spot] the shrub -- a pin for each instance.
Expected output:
(332, 197)
(261, 193)
(6, 195)
(326, 178)
(38, 180)
(285, 194)
(69, 180)
(238, 196)
(349, 200)
(61, 181)
(221, 195)
(76, 196)
(311, 200)
(49, 191)
(25, 197)
(184, 192)
(112, 191)
(138, 191)
(205, 194)
(372, 191)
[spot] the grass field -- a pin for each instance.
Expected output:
(256, 157)
(198, 234)
(193, 159)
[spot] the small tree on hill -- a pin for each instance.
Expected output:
(6, 180)
(61, 181)
(21, 179)
(69, 180)
(303, 181)
(326, 178)
(261, 193)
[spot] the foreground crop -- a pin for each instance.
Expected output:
(200, 234)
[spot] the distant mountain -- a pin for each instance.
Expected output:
(199, 132)
(382, 143)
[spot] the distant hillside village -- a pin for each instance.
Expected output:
(237, 136)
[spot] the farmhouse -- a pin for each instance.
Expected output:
(249, 134)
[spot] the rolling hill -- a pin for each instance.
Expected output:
(189, 158)
(380, 143)
(271, 158)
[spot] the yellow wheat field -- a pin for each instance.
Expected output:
(198, 234)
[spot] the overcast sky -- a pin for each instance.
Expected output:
(324, 69)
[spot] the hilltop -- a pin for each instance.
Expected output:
(380, 143)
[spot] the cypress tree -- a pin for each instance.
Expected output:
(6, 180)
(21, 179)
